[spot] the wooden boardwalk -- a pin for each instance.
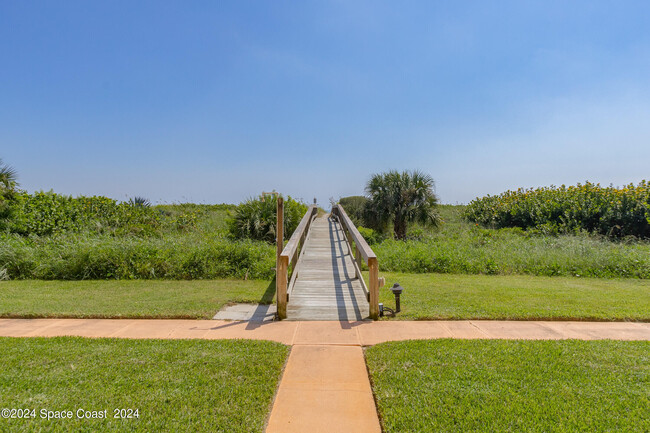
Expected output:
(326, 286)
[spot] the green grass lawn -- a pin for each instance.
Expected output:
(427, 296)
(199, 299)
(517, 297)
(512, 386)
(176, 385)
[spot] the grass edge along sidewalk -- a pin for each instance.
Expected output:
(499, 385)
(128, 299)
(176, 385)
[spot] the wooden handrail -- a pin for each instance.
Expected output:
(360, 242)
(289, 257)
(362, 250)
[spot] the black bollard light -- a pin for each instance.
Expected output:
(397, 291)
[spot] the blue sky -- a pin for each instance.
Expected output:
(217, 101)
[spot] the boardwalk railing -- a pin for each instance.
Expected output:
(289, 257)
(362, 251)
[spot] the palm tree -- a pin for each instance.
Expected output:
(8, 177)
(138, 201)
(8, 183)
(401, 198)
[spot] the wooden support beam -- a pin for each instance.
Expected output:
(279, 231)
(357, 256)
(281, 266)
(281, 277)
(374, 288)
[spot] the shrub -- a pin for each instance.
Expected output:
(609, 211)
(48, 213)
(355, 207)
(256, 218)
(371, 236)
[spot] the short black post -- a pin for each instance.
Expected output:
(397, 291)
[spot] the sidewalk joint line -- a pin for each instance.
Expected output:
(48, 326)
(127, 326)
(471, 322)
(295, 331)
(448, 329)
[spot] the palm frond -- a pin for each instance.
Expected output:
(8, 176)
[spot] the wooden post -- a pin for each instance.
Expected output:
(281, 268)
(281, 277)
(279, 231)
(373, 267)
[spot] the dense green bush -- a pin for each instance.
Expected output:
(47, 213)
(8, 195)
(614, 212)
(206, 218)
(355, 207)
(8, 205)
(371, 236)
(52, 236)
(256, 218)
(201, 209)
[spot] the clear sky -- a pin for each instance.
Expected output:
(215, 101)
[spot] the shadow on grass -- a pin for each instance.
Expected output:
(269, 294)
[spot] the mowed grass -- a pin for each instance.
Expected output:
(517, 297)
(176, 385)
(427, 296)
(199, 299)
(512, 386)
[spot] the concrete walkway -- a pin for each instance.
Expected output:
(325, 385)
(324, 333)
(324, 389)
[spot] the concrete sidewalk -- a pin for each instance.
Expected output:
(325, 385)
(362, 333)
(324, 389)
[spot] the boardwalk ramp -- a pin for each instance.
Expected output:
(325, 255)
(327, 287)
